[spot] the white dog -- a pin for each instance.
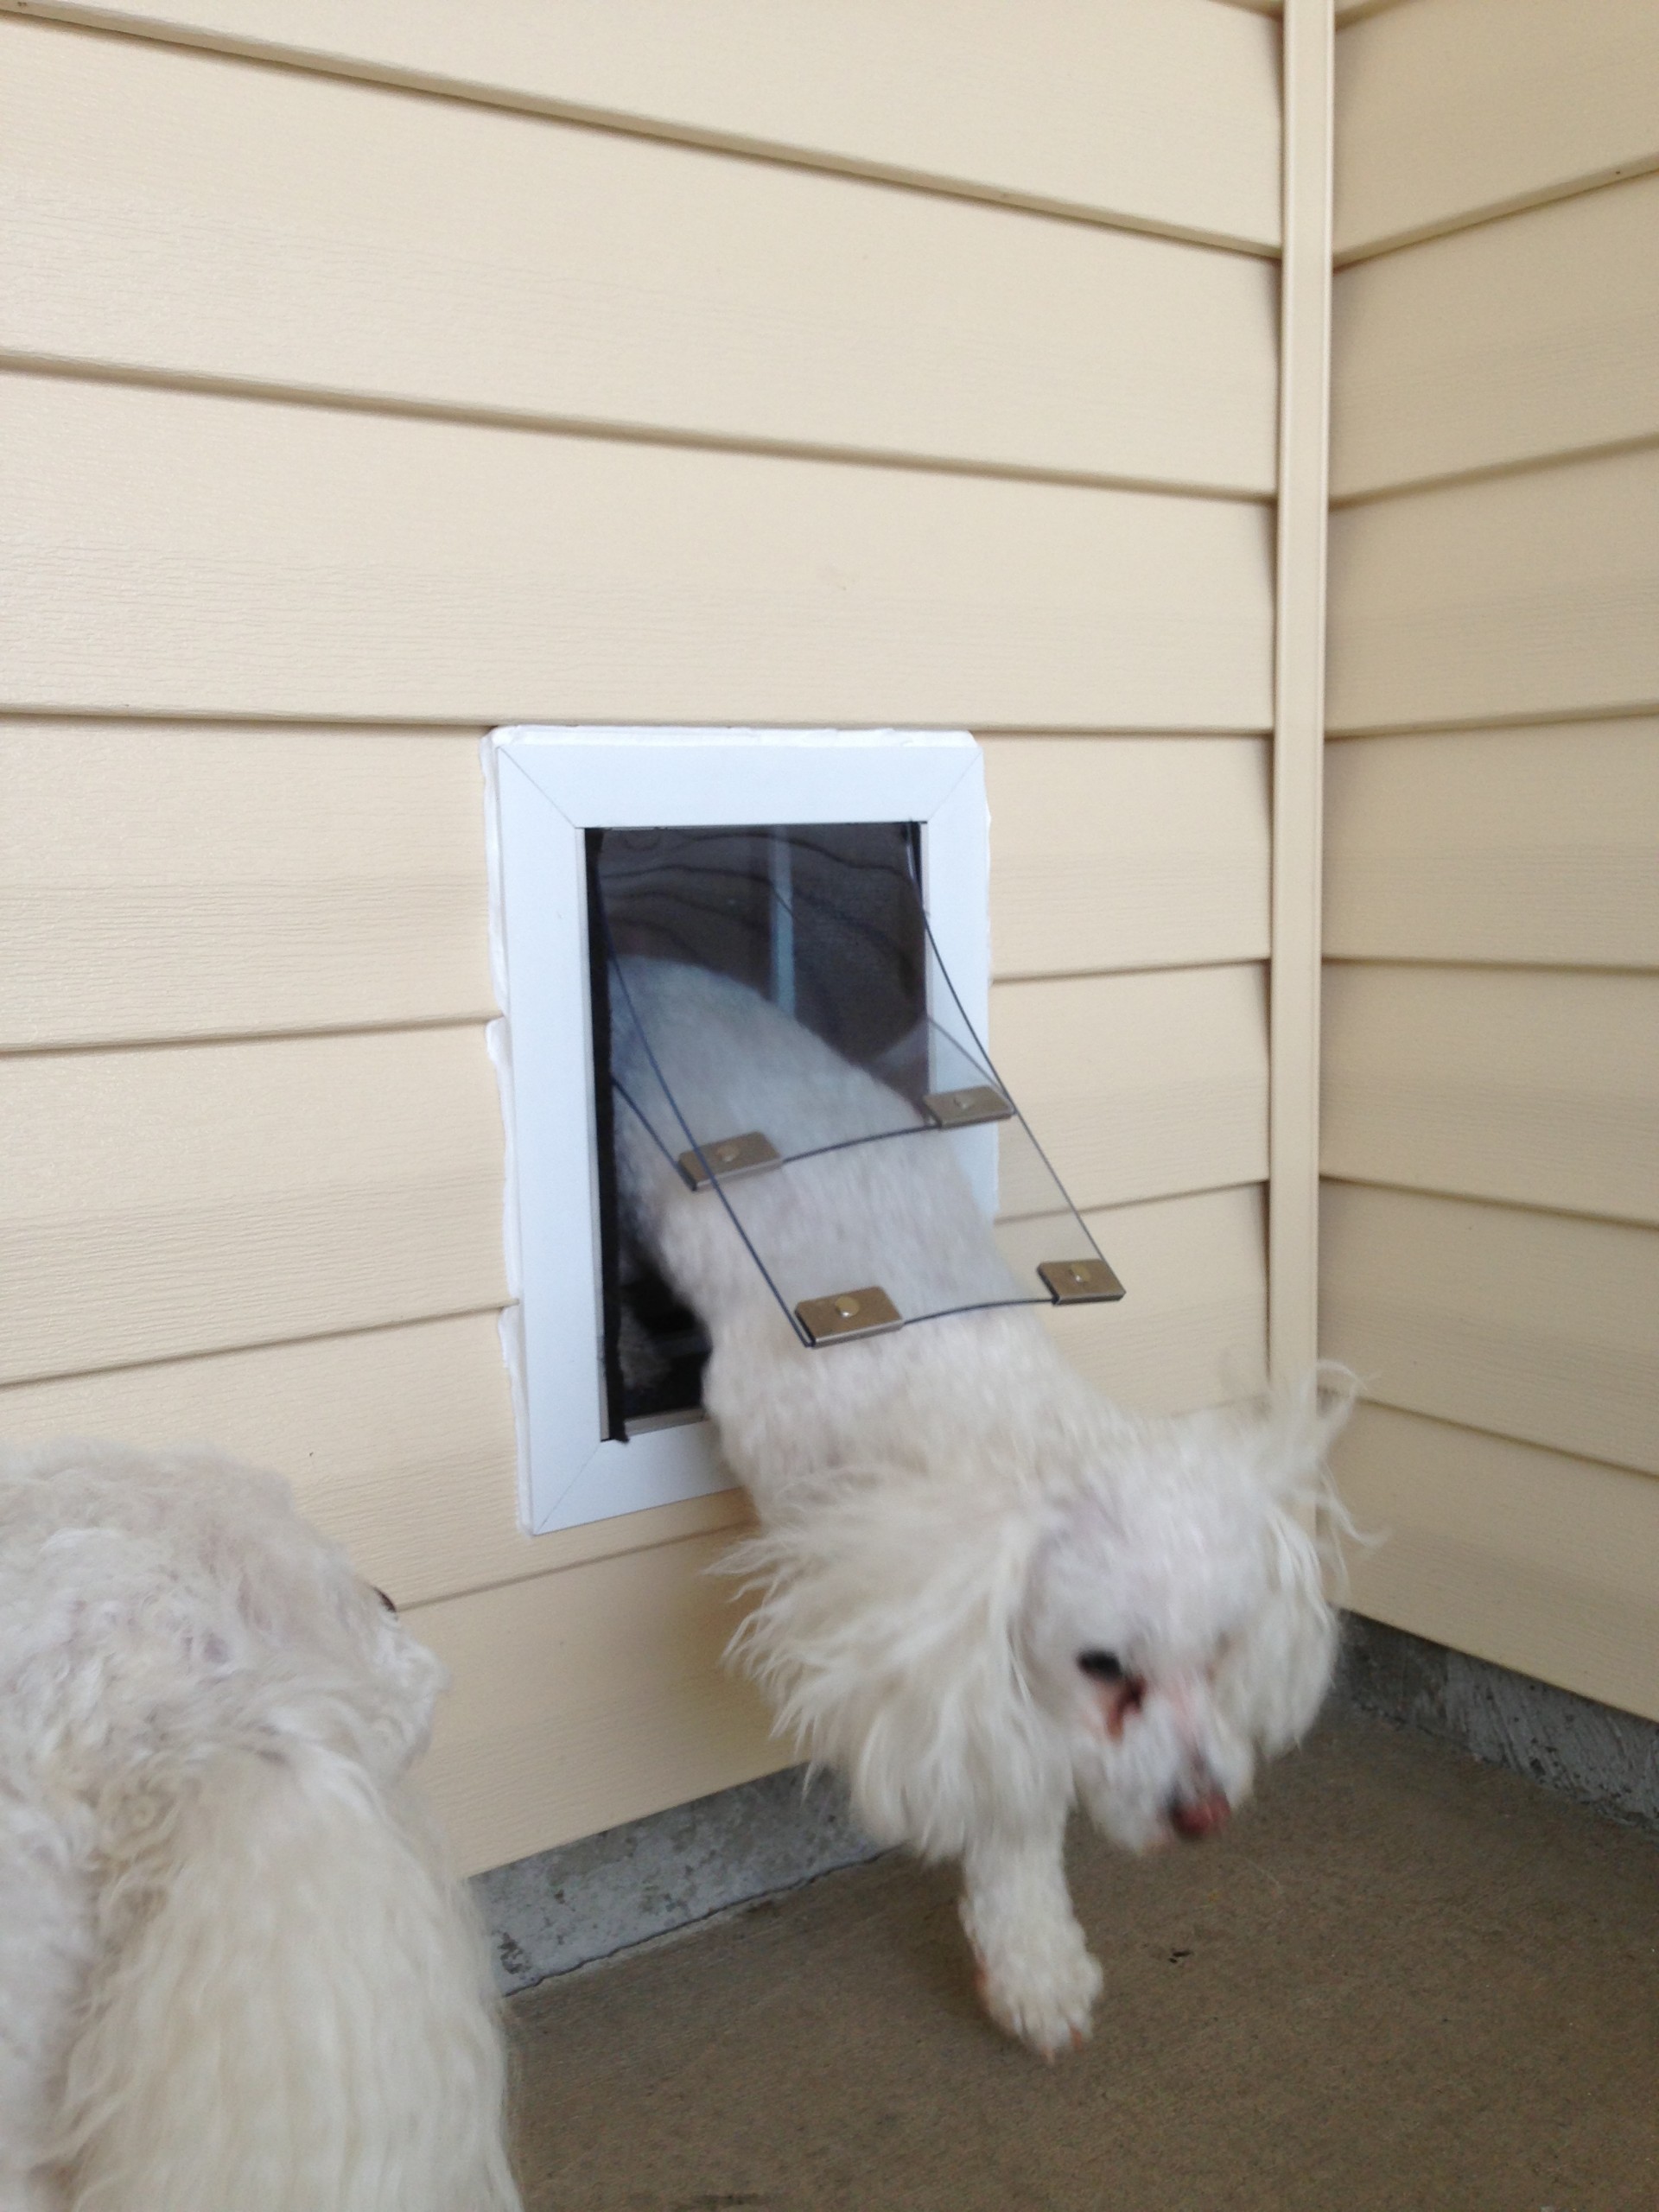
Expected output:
(984, 1593)
(234, 1975)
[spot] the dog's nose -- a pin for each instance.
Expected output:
(1192, 1817)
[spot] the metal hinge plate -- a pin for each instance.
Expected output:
(958, 1109)
(749, 1155)
(867, 1312)
(1079, 1283)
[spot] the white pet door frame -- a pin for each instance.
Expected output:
(547, 788)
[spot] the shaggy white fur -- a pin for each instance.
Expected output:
(233, 1975)
(983, 1593)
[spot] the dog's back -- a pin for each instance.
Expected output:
(233, 1972)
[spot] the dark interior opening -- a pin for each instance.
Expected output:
(822, 918)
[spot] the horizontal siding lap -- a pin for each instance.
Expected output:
(1531, 1559)
(1516, 341)
(1192, 1330)
(161, 883)
(1501, 102)
(166, 1202)
(1071, 103)
(1535, 1326)
(1511, 845)
(1121, 853)
(1539, 1088)
(425, 254)
(420, 570)
(1143, 1085)
(1528, 595)
(585, 1699)
(164, 883)
(399, 1444)
(163, 1201)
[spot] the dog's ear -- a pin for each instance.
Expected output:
(884, 1635)
(1275, 1675)
(1295, 1432)
(1280, 1669)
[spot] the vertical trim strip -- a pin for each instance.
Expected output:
(1299, 690)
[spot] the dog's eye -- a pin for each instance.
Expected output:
(1101, 1666)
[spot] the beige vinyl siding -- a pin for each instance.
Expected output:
(1532, 1325)
(1490, 1254)
(191, 1198)
(399, 1439)
(1195, 1330)
(1142, 1085)
(184, 1199)
(1157, 114)
(1130, 852)
(1501, 845)
(1528, 596)
(1449, 111)
(1549, 1564)
(242, 881)
(375, 566)
(587, 1698)
(425, 253)
(1483, 349)
(318, 467)
(1539, 1088)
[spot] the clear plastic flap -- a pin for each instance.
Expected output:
(782, 1025)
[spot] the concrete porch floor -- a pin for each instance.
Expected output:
(1402, 1982)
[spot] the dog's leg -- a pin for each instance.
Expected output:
(1036, 1976)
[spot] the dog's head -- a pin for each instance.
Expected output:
(1175, 1625)
(1132, 1619)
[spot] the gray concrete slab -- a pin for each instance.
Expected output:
(1403, 1981)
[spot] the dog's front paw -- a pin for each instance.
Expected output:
(1045, 1993)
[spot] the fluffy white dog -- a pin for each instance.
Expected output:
(984, 1593)
(233, 1975)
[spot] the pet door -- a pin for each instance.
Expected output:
(819, 899)
(781, 1025)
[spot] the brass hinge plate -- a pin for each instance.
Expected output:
(867, 1312)
(729, 1156)
(958, 1109)
(1079, 1283)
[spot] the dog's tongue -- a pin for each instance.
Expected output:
(1199, 1816)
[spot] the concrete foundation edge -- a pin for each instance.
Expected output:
(605, 1893)
(1591, 1752)
(588, 1900)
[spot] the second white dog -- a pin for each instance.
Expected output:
(234, 1976)
(985, 1594)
